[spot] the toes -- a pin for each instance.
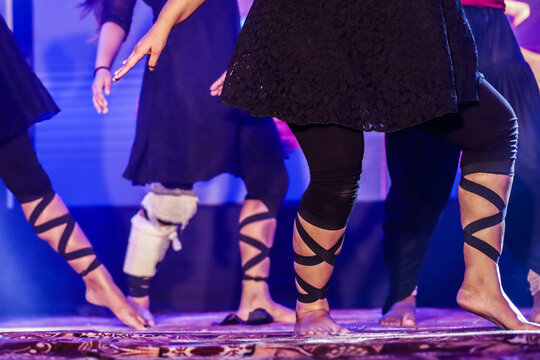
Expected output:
(390, 322)
(409, 321)
(146, 321)
(134, 322)
(148, 318)
(326, 331)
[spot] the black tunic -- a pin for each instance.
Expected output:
(183, 134)
(23, 98)
(376, 65)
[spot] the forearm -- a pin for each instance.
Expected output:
(176, 11)
(111, 37)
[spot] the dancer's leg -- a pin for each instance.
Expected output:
(502, 62)
(487, 168)
(334, 155)
(164, 209)
(24, 176)
(422, 179)
(265, 176)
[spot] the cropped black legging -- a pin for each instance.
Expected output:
(21, 171)
(486, 133)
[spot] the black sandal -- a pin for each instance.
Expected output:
(70, 226)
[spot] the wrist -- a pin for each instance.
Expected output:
(99, 68)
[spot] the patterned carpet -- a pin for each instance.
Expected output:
(445, 334)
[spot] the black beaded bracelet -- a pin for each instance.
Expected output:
(99, 68)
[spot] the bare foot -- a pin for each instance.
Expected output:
(142, 305)
(314, 319)
(256, 295)
(402, 313)
(490, 302)
(102, 291)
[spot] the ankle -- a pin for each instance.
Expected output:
(140, 301)
(254, 289)
(477, 278)
(409, 300)
(319, 305)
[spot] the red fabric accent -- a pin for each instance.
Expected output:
(497, 4)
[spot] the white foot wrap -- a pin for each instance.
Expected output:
(147, 246)
(534, 282)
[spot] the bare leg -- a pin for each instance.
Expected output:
(313, 317)
(100, 287)
(481, 292)
(402, 313)
(255, 294)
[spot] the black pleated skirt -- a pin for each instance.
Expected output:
(23, 98)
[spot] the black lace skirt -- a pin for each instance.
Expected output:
(369, 65)
(23, 98)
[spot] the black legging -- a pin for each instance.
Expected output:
(21, 171)
(486, 133)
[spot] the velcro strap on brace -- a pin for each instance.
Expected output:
(147, 246)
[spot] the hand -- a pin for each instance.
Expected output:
(518, 10)
(217, 87)
(151, 44)
(102, 84)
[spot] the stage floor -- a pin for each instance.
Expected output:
(441, 333)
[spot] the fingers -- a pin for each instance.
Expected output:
(96, 105)
(217, 87)
(128, 64)
(152, 62)
(99, 100)
(217, 92)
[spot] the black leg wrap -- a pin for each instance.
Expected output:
(70, 226)
(138, 286)
(321, 255)
(264, 250)
(484, 223)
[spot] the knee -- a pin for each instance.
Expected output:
(164, 206)
(31, 188)
(329, 200)
(496, 154)
(494, 148)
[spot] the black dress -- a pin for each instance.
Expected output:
(23, 98)
(183, 134)
(376, 65)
